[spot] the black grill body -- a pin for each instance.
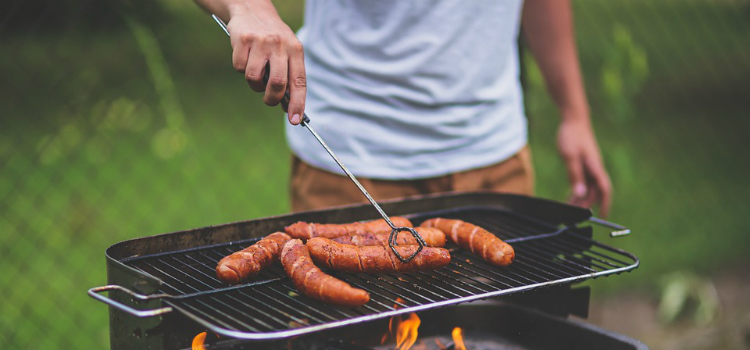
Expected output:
(553, 251)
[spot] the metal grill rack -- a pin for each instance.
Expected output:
(268, 306)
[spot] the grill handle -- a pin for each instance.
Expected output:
(94, 293)
(620, 230)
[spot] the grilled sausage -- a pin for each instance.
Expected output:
(432, 237)
(248, 262)
(374, 258)
(313, 282)
(304, 230)
(476, 239)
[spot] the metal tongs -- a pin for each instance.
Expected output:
(306, 123)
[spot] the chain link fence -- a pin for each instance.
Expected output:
(125, 119)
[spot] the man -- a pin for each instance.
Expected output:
(416, 97)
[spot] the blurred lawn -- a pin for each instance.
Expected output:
(105, 138)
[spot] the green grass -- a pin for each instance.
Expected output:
(88, 157)
(79, 171)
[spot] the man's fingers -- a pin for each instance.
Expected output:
(592, 194)
(605, 205)
(247, 59)
(600, 187)
(240, 52)
(297, 84)
(604, 189)
(576, 178)
(255, 69)
(277, 80)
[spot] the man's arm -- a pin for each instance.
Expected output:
(259, 37)
(548, 26)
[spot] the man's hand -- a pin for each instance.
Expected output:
(260, 39)
(589, 180)
(548, 25)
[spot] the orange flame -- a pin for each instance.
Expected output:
(406, 334)
(399, 300)
(405, 331)
(458, 338)
(199, 340)
(393, 320)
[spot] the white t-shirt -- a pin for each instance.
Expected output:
(408, 89)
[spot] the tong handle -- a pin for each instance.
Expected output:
(94, 293)
(620, 230)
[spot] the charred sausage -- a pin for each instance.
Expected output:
(476, 239)
(375, 258)
(304, 230)
(250, 261)
(432, 237)
(313, 282)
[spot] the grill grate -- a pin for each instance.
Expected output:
(268, 307)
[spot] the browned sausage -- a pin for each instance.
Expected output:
(248, 262)
(476, 239)
(304, 230)
(313, 282)
(374, 258)
(432, 237)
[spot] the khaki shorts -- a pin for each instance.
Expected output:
(313, 188)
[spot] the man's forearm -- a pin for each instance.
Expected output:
(548, 27)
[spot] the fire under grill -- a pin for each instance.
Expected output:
(551, 250)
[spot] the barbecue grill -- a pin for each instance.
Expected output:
(164, 287)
